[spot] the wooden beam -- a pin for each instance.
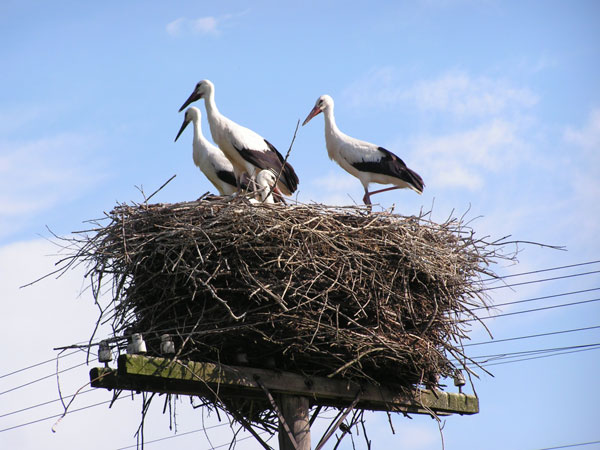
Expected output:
(141, 373)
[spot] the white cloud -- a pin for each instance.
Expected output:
(462, 95)
(454, 92)
(336, 188)
(208, 25)
(584, 162)
(378, 87)
(588, 136)
(460, 159)
(40, 174)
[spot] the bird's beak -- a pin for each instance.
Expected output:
(316, 110)
(183, 125)
(191, 99)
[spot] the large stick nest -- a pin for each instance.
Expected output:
(310, 289)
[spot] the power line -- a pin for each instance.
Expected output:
(542, 280)
(175, 436)
(60, 415)
(562, 305)
(551, 333)
(45, 403)
(43, 378)
(563, 294)
(498, 356)
(542, 270)
(37, 364)
(570, 445)
(541, 356)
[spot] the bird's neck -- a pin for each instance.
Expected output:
(198, 136)
(199, 143)
(211, 106)
(331, 128)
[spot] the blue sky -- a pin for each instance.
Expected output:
(495, 104)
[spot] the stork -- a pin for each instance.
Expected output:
(248, 151)
(209, 158)
(265, 181)
(367, 162)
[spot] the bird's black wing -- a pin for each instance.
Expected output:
(227, 177)
(271, 160)
(391, 165)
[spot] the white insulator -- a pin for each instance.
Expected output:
(167, 346)
(459, 379)
(104, 352)
(137, 344)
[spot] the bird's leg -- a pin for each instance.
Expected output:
(367, 199)
(383, 190)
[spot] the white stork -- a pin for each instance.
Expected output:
(265, 181)
(367, 162)
(247, 151)
(209, 158)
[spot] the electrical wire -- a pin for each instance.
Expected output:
(551, 333)
(569, 445)
(520, 274)
(175, 436)
(37, 364)
(541, 356)
(45, 403)
(542, 280)
(71, 411)
(562, 305)
(43, 378)
(563, 294)
(485, 359)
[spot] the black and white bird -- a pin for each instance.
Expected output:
(367, 162)
(209, 158)
(265, 180)
(248, 151)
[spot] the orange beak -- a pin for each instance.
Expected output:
(316, 110)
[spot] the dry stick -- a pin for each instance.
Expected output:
(248, 426)
(220, 300)
(315, 415)
(73, 398)
(284, 161)
(326, 437)
(160, 188)
(279, 414)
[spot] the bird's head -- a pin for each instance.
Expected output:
(192, 114)
(203, 89)
(266, 178)
(323, 102)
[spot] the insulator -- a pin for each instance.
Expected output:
(104, 352)
(167, 346)
(459, 379)
(137, 344)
